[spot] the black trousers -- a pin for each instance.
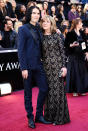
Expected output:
(41, 81)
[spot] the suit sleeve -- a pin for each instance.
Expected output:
(22, 48)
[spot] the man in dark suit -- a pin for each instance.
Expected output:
(8, 36)
(29, 53)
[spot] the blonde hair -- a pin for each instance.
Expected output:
(30, 3)
(40, 6)
(85, 8)
(74, 24)
(17, 25)
(52, 21)
(13, 2)
(65, 21)
(73, 6)
(3, 9)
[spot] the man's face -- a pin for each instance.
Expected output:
(9, 24)
(35, 15)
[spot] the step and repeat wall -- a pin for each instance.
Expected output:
(10, 69)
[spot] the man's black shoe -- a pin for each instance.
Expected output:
(42, 120)
(31, 123)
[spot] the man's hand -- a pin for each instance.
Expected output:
(25, 74)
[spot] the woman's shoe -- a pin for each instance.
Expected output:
(54, 124)
(83, 94)
(75, 94)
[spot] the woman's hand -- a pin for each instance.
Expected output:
(58, 31)
(64, 71)
(0, 37)
(25, 74)
(74, 44)
(7, 17)
(86, 56)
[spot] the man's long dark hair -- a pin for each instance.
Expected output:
(29, 12)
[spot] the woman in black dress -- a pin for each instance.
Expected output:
(77, 75)
(56, 109)
(60, 14)
(3, 13)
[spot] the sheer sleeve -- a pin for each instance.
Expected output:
(62, 51)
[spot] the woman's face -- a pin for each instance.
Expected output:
(45, 6)
(53, 8)
(62, 8)
(73, 9)
(46, 24)
(80, 25)
(13, 3)
(23, 8)
(87, 7)
(79, 8)
(2, 4)
(86, 30)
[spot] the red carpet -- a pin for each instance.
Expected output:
(13, 115)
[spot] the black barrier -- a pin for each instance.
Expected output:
(10, 69)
